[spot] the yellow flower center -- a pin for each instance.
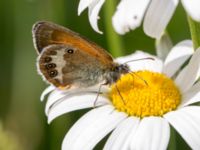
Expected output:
(145, 93)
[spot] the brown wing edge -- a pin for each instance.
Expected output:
(38, 29)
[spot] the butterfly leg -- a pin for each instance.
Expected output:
(120, 94)
(99, 92)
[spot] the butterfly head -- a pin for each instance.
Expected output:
(122, 68)
(116, 71)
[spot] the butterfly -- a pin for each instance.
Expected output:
(69, 60)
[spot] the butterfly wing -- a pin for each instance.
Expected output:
(67, 59)
(47, 33)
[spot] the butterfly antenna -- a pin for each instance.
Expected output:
(134, 74)
(150, 58)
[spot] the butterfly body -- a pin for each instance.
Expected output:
(68, 60)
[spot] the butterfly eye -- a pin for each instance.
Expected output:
(47, 59)
(53, 73)
(49, 66)
(70, 51)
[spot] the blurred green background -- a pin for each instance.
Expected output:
(23, 124)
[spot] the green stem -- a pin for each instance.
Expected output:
(172, 142)
(114, 41)
(195, 32)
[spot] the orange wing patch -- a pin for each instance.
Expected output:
(46, 33)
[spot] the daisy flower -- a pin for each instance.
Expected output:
(130, 14)
(142, 119)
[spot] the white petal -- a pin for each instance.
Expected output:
(163, 46)
(177, 57)
(155, 65)
(58, 95)
(186, 121)
(83, 4)
(46, 91)
(158, 16)
(91, 128)
(179, 78)
(129, 15)
(55, 96)
(94, 9)
(153, 133)
(118, 140)
(192, 8)
(191, 96)
(75, 102)
(189, 75)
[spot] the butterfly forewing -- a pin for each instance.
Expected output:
(46, 33)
